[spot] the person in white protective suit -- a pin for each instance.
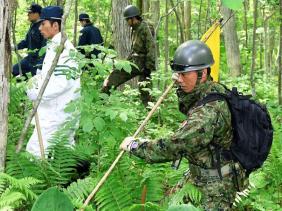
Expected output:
(60, 89)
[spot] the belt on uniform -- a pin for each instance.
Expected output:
(225, 170)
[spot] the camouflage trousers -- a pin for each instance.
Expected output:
(118, 77)
(217, 194)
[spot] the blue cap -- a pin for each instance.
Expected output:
(51, 13)
(83, 16)
(34, 8)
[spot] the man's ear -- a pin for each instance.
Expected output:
(204, 75)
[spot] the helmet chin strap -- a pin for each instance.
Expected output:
(200, 74)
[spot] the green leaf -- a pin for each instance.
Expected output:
(234, 4)
(112, 114)
(123, 116)
(87, 125)
(99, 123)
(127, 67)
(53, 200)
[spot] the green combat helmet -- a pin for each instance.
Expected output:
(131, 11)
(190, 56)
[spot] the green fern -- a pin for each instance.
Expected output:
(78, 191)
(188, 190)
(16, 192)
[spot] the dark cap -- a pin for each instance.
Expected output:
(51, 13)
(83, 16)
(34, 8)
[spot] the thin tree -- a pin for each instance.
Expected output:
(18, 56)
(187, 20)
(253, 65)
(199, 19)
(207, 18)
(155, 11)
(75, 23)
(179, 21)
(280, 59)
(5, 69)
(166, 47)
(246, 8)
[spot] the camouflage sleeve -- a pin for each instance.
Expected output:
(194, 135)
(151, 49)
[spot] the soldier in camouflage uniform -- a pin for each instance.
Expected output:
(203, 137)
(142, 54)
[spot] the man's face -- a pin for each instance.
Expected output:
(82, 23)
(187, 81)
(33, 16)
(47, 30)
(129, 21)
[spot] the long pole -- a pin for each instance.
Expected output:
(39, 134)
(141, 127)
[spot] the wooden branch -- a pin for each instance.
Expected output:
(47, 78)
(39, 135)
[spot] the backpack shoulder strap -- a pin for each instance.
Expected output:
(213, 96)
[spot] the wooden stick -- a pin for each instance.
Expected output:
(39, 134)
(141, 127)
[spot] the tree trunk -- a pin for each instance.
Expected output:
(262, 40)
(60, 3)
(253, 65)
(18, 56)
(155, 11)
(179, 21)
(207, 18)
(231, 42)
(166, 49)
(271, 45)
(122, 33)
(199, 19)
(246, 23)
(75, 23)
(267, 35)
(139, 4)
(187, 20)
(146, 9)
(280, 59)
(5, 69)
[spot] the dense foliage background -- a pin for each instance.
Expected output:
(105, 121)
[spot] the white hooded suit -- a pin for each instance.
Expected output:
(58, 93)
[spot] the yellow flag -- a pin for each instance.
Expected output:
(212, 39)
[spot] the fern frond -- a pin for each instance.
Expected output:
(154, 179)
(188, 190)
(78, 191)
(114, 195)
(11, 198)
(22, 185)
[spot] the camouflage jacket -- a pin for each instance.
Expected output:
(206, 126)
(143, 46)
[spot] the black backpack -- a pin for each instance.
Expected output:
(252, 128)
